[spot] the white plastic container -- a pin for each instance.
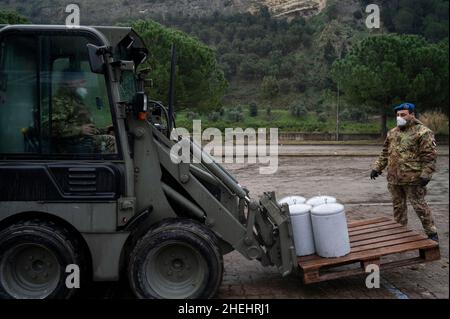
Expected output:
(330, 230)
(292, 200)
(302, 229)
(320, 200)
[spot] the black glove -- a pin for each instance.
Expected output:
(423, 181)
(374, 174)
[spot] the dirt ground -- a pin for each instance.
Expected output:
(346, 178)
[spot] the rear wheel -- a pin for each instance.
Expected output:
(177, 259)
(33, 258)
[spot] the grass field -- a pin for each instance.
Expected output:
(283, 120)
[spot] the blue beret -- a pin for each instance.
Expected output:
(405, 106)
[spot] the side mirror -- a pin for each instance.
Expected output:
(96, 60)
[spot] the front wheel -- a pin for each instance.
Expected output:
(33, 258)
(177, 259)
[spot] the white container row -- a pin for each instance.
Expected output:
(319, 226)
(314, 201)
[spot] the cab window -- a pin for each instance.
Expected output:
(19, 103)
(76, 117)
(50, 101)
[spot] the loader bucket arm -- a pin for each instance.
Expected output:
(257, 229)
(280, 248)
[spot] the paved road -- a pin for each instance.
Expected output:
(372, 150)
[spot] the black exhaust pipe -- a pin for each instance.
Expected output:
(173, 71)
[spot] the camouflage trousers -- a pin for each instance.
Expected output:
(416, 196)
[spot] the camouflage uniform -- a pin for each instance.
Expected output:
(409, 154)
(69, 114)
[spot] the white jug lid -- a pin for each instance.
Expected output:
(327, 209)
(320, 200)
(292, 200)
(299, 209)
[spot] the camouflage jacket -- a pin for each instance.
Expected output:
(69, 114)
(408, 153)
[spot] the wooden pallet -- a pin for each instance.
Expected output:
(370, 240)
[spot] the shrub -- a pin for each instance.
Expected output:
(345, 115)
(355, 115)
(253, 107)
(11, 17)
(436, 121)
(322, 117)
(316, 106)
(214, 116)
(285, 86)
(300, 87)
(298, 110)
(234, 115)
(358, 115)
(192, 116)
(358, 15)
(269, 87)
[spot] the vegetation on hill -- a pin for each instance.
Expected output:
(251, 47)
(200, 82)
(12, 17)
(276, 63)
(280, 64)
(428, 18)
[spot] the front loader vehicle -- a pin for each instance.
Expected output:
(127, 211)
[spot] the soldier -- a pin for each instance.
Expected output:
(409, 154)
(73, 128)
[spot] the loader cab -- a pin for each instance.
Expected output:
(58, 110)
(49, 94)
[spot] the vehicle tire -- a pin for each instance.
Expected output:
(176, 259)
(34, 255)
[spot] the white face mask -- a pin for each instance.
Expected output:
(82, 92)
(401, 121)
